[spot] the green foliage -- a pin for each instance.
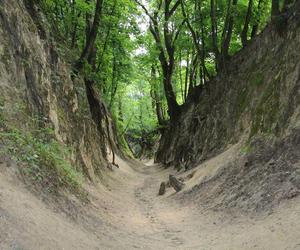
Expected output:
(45, 159)
(126, 52)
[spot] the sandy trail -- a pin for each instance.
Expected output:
(128, 214)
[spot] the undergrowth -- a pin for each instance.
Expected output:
(43, 159)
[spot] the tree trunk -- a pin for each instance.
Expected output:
(173, 107)
(120, 107)
(214, 32)
(244, 35)
(114, 82)
(193, 73)
(187, 75)
(227, 39)
(91, 38)
(180, 76)
(75, 25)
(158, 106)
(204, 70)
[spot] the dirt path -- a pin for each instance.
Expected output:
(128, 214)
(157, 214)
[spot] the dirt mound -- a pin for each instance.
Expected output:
(257, 178)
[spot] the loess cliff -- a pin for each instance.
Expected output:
(254, 104)
(45, 111)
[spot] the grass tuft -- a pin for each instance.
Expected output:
(45, 159)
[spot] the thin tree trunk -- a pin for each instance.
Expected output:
(203, 46)
(114, 83)
(244, 35)
(186, 75)
(193, 73)
(227, 18)
(106, 40)
(227, 40)
(180, 76)
(214, 32)
(120, 107)
(158, 106)
(74, 33)
(91, 38)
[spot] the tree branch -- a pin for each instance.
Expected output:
(178, 31)
(146, 10)
(174, 8)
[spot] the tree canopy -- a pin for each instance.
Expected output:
(146, 57)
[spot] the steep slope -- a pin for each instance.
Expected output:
(255, 102)
(43, 111)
